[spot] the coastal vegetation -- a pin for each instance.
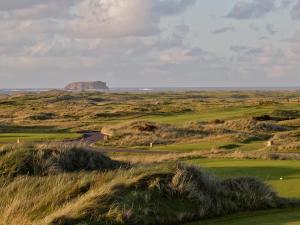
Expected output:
(224, 157)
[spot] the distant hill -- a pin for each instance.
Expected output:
(86, 86)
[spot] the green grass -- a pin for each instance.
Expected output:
(143, 195)
(78, 111)
(207, 113)
(212, 114)
(36, 137)
(275, 217)
(210, 144)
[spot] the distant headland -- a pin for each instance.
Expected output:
(86, 86)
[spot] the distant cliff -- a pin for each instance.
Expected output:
(86, 86)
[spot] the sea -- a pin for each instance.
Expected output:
(156, 89)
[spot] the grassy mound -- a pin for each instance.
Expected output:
(164, 194)
(51, 159)
(180, 195)
(286, 141)
(252, 125)
(141, 133)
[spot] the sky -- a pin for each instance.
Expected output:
(150, 43)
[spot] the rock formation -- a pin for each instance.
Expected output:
(86, 86)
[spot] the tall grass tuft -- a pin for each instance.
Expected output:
(175, 195)
(45, 159)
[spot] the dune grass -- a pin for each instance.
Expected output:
(48, 159)
(55, 184)
(144, 196)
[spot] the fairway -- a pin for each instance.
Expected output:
(36, 137)
(215, 112)
(276, 217)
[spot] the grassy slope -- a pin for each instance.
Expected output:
(270, 171)
(64, 184)
(86, 198)
(267, 170)
(78, 111)
(213, 113)
(36, 137)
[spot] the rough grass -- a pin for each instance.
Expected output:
(243, 134)
(45, 159)
(36, 137)
(153, 195)
(36, 187)
(53, 185)
(142, 133)
(174, 112)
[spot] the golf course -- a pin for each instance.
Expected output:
(192, 158)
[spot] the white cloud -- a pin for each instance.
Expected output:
(145, 41)
(121, 18)
(111, 18)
